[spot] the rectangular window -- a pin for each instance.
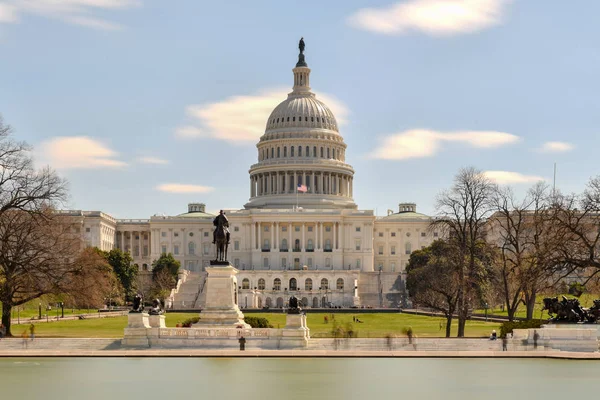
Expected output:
(393, 234)
(205, 234)
(423, 234)
(265, 263)
(328, 262)
(236, 263)
(145, 250)
(87, 230)
(163, 234)
(310, 228)
(284, 229)
(327, 229)
(357, 244)
(176, 234)
(380, 234)
(358, 229)
(283, 263)
(206, 249)
(236, 228)
(358, 263)
(297, 228)
(309, 262)
(393, 265)
(380, 250)
(393, 251)
(236, 245)
(266, 228)
(164, 249)
(176, 250)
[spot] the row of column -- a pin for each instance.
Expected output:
(257, 237)
(131, 242)
(271, 183)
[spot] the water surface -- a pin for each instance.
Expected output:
(299, 378)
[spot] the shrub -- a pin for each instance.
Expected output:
(507, 327)
(256, 322)
(189, 322)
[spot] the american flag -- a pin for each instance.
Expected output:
(302, 188)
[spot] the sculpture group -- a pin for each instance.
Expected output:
(570, 310)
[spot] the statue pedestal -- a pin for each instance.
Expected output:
(296, 333)
(221, 305)
(157, 321)
(136, 333)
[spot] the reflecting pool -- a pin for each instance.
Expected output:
(298, 378)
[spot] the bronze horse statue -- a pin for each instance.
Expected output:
(222, 243)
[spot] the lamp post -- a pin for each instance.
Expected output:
(40, 311)
(486, 308)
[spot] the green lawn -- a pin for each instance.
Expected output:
(374, 325)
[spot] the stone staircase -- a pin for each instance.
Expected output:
(7, 344)
(190, 293)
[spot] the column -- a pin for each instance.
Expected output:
(317, 235)
(276, 244)
(272, 235)
(253, 236)
(335, 225)
(351, 187)
(303, 246)
(339, 185)
(329, 184)
(322, 179)
(183, 244)
(140, 244)
(290, 244)
(295, 181)
(304, 178)
(259, 235)
(321, 236)
(122, 241)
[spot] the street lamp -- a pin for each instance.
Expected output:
(486, 308)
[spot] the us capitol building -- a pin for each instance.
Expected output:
(316, 244)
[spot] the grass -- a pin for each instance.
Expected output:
(374, 325)
(586, 300)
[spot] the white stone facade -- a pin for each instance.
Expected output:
(316, 245)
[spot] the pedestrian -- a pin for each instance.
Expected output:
(536, 336)
(32, 331)
(493, 336)
(504, 343)
(242, 341)
(24, 337)
(353, 318)
(2, 331)
(325, 319)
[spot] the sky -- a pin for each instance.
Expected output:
(146, 105)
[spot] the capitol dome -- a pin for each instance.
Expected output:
(301, 156)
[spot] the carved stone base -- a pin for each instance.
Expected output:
(136, 333)
(157, 321)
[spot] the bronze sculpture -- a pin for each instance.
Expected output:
(301, 45)
(301, 62)
(294, 306)
(221, 236)
(138, 304)
(570, 310)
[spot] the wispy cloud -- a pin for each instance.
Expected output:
(76, 12)
(242, 119)
(183, 188)
(418, 143)
(152, 160)
(507, 177)
(78, 152)
(434, 17)
(556, 147)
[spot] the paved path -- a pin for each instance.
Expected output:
(229, 353)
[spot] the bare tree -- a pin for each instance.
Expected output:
(461, 214)
(40, 253)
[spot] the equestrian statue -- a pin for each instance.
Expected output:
(221, 236)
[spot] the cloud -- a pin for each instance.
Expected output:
(434, 17)
(190, 132)
(556, 147)
(183, 188)
(152, 160)
(78, 152)
(242, 119)
(418, 143)
(76, 12)
(507, 177)
(8, 13)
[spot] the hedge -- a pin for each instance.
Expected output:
(507, 327)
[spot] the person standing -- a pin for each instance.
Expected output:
(504, 343)
(32, 331)
(536, 336)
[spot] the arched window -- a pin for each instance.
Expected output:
(333, 155)
(284, 244)
(293, 284)
(277, 284)
(408, 248)
(278, 152)
(299, 151)
(321, 152)
(304, 302)
(261, 284)
(246, 283)
(285, 151)
(314, 151)
(266, 153)
(307, 152)
(324, 284)
(145, 267)
(191, 248)
(339, 284)
(272, 152)
(328, 152)
(269, 302)
(309, 244)
(308, 284)
(315, 302)
(280, 302)
(297, 245)
(327, 244)
(292, 151)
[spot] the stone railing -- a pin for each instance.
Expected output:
(198, 333)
